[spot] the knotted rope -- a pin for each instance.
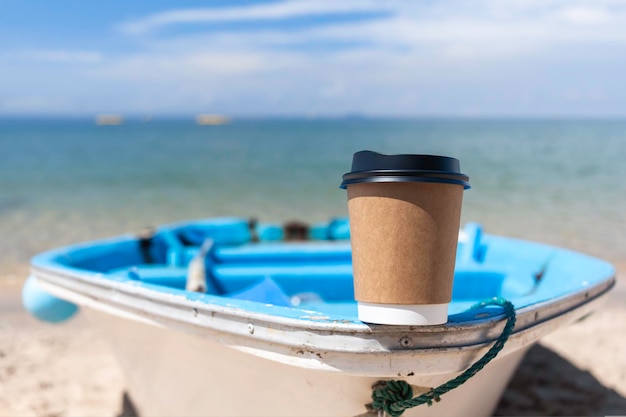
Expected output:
(394, 397)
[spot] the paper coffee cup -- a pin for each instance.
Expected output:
(404, 221)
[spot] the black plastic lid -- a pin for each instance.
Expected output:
(368, 166)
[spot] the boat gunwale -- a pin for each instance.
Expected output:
(314, 322)
(378, 350)
(307, 338)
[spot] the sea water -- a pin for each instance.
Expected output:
(562, 182)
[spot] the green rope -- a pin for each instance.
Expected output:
(394, 397)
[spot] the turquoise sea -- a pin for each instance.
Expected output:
(561, 182)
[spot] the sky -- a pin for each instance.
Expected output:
(445, 58)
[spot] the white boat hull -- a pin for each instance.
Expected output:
(174, 373)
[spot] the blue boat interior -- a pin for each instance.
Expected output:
(252, 267)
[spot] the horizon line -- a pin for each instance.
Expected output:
(141, 117)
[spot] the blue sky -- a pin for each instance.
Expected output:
(516, 58)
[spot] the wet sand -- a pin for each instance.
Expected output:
(68, 369)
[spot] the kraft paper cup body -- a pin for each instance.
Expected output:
(404, 237)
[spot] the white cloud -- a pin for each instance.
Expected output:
(28, 104)
(584, 15)
(60, 56)
(283, 10)
(156, 66)
(336, 88)
(450, 30)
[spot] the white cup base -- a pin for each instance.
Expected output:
(403, 314)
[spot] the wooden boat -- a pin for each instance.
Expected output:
(277, 334)
(109, 119)
(212, 119)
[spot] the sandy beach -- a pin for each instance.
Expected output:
(68, 369)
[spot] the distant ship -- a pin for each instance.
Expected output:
(109, 119)
(212, 119)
